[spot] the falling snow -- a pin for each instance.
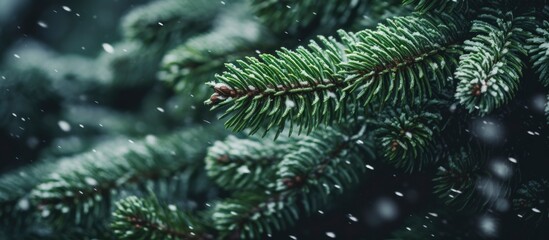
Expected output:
(172, 207)
(289, 103)
(243, 170)
(42, 24)
(108, 48)
(488, 226)
(65, 126)
(352, 218)
(90, 181)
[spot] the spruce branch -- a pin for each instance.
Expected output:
(490, 72)
(408, 138)
(298, 85)
(401, 60)
(531, 201)
(82, 193)
(254, 215)
(539, 47)
(246, 164)
(137, 218)
(16, 210)
(326, 163)
(311, 86)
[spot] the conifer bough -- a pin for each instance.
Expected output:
(490, 72)
(407, 57)
(378, 77)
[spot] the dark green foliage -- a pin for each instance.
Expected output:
(321, 79)
(456, 181)
(539, 46)
(464, 184)
(341, 163)
(16, 210)
(189, 66)
(424, 6)
(490, 72)
(83, 189)
(253, 216)
(136, 218)
(169, 21)
(296, 17)
(403, 59)
(408, 138)
(150, 31)
(246, 164)
(304, 183)
(531, 201)
(276, 90)
(389, 68)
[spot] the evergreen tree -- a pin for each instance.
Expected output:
(347, 119)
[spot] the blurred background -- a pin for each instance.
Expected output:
(60, 86)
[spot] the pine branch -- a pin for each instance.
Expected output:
(16, 210)
(539, 47)
(401, 61)
(254, 215)
(327, 162)
(312, 85)
(246, 164)
(167, 22)
(81, 193)
(297, 17)
(531, 201)
(193, 63)
(490, 72)
(136, 218)
(408, 137)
